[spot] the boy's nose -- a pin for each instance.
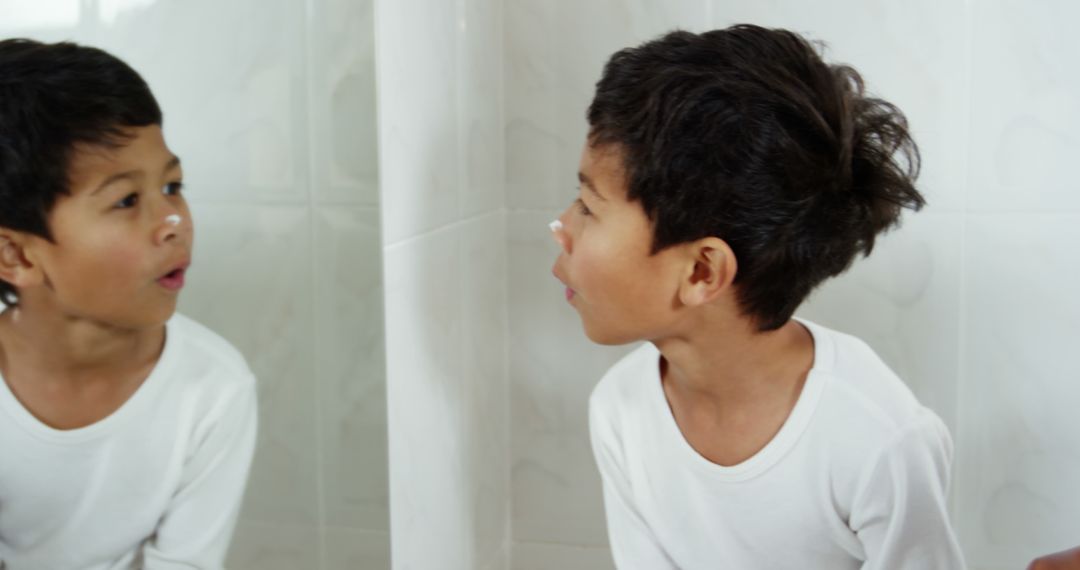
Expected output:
(558, 231)
(170, 226)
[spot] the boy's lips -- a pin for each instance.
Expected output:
(174, 280)
(569, 292)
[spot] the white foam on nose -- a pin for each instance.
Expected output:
(555, 225)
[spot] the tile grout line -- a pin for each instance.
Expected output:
(317, 369)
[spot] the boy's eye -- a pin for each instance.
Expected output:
(129, 201)
(582, 208)
(173, 188)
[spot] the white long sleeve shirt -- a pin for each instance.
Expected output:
(156, 485)
(856, 477)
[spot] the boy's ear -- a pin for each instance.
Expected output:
(710, 270)
(16, 266)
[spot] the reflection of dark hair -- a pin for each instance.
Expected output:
(747, 135)
(52, 97)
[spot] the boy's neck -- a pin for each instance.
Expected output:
(65, 348)
(731, 364)
(731, 388)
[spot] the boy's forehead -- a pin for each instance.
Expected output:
(142, 150)
(603, 165)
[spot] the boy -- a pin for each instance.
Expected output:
(726, 175)
(126, 432)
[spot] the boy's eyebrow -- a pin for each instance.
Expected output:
(173, 163)
(589, 184)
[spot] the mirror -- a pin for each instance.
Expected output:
(271, 106)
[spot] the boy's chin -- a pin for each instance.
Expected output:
(162, 317)
(608, 337)
(148, 319)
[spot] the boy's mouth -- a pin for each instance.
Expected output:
(569, 292)
(173, 280)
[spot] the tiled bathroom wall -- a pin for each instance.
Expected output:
(555, 52)
(270, 105)
(440, 93)
(1017, 485)
(969, 302)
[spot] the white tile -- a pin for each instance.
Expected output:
(500, 560)
(44, 20)
(273, 547)
(343, 110)
(904, 301)
(1018, 469)
(418, 115)
(251, 282)
(1024, 111)
(232, 87)
(349, 359)
(482, 146)
(534, 173)
(555, 54)
(553, 367)
(350, 549)
(484, 373)
(537, 556)
(429, 495)
(590, 32)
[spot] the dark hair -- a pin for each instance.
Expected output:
(52, 97)
(747, 135)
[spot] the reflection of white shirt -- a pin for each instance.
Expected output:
(855, 479)
(155, 485)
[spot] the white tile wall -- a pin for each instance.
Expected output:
(480, 90)
(418, 110)
(553, 367)
(352, 549)
(350, 361)
(555, 53)
(540, 556)
(344, 133)
(484, 370)
(248, 258)
(274, 547)
(231, 78)
(428, 489)
(270, 104)
(1024, 106)
(1017, 491)
(970, 301)
(441, 164)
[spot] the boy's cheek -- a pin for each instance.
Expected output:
(115, 271)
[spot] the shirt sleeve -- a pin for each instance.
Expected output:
(900, 513)
(196, 529)
(633, 544)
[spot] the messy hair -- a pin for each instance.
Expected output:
(746, 134)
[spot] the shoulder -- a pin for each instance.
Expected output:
(206, 359)
(868, 417)
(863, 393)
